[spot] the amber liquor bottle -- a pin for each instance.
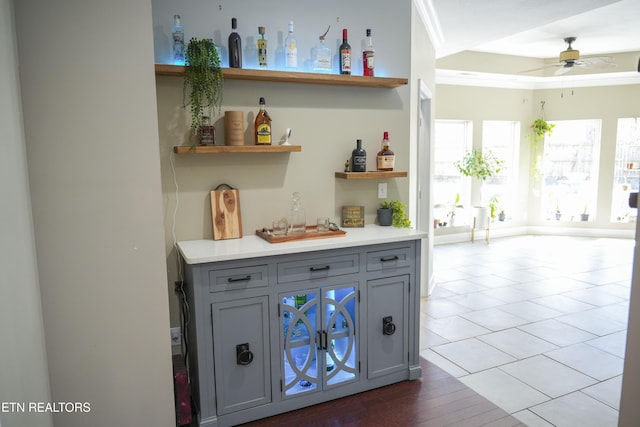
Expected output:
(386, 159)
(262, 126)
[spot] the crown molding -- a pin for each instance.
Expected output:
(513, 81)
(431, 22)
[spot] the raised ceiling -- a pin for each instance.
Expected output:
(535, 28)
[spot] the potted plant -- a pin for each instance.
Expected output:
(477, 164)
(584, 216)
(202, 89)
(540, 129)
(452, 212)
(558, 213)
(501, 216)
(493, 206)
(393, 213)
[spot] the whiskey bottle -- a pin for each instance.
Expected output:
(358, 158)
(368, 56)
(207, 133)
(345, 54)
(262, 126)
(386, 158)
(235, 46)
(262, 49)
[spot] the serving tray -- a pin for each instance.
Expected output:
(310, 233)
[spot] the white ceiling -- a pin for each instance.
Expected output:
(534, 28)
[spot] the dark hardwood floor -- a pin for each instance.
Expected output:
(436, 400)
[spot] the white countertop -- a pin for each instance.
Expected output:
(252, 246)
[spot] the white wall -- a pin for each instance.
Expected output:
(326, 120)
(91, 133)
(23, 364)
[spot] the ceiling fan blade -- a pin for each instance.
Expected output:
(541, 68)
(563, 70)
(597, 62)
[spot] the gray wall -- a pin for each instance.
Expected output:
(91, 135)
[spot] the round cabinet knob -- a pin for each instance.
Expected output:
(244, 356)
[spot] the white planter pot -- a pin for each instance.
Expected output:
(481, 217)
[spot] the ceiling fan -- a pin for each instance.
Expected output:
(570, 58)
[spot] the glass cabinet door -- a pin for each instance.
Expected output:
(318, 339)
(300, 339)
(340, 358)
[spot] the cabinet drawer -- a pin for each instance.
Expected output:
(318, 268)
(391, 259)
(232, 279)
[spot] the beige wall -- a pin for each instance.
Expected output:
(91, 132)
(607, 103)
(23, 363)
(326, 121)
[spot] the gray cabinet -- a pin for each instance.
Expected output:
(277, 333)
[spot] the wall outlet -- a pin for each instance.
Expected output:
(175, 336)
(382, 190)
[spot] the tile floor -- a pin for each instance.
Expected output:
(536, 324)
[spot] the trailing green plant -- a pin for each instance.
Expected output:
(400, 215)
(202, 89)
(540, 129)
(477, 164)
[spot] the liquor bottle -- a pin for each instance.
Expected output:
(386, 158)
(177, 33)
(262, 49)
(358, 158)
(345, 54)
(235, 46)
(262, 126)
(322, 56)
(207, 133)
(290, 50)
(368, 56)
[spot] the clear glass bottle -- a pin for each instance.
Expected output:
(368, 56)
(297, 219)
(322, 56)
(261, 44)
(177, 33)
(358, 158)
(262, 128)
(386, 158)
(290, 50)
(235, 46)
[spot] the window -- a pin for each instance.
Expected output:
(452, 140)
(626, 170)
(502, 139)
(570, 167)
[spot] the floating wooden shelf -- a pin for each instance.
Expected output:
(208, 149)
(293, 77)
(371, 175)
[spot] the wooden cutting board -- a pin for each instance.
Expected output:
(225, 214)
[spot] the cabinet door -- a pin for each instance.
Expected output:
(319, 348)
(300, 342)
(241, 354)
(340, 310)
(387, 325)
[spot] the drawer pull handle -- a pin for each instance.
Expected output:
(244, 356)
(389, 258)
(240, 279)
(388, 327)
(314, 269)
